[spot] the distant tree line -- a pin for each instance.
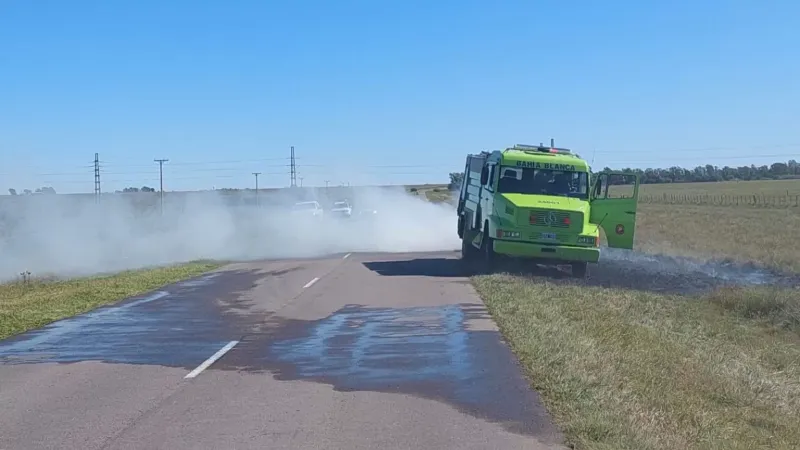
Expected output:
(50, 190)
(710, 173)
(455, 180)
(700, 174)
(134, 189)
(41, 190)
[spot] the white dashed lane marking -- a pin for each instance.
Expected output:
(308, 285)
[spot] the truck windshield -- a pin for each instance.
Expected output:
(518, 180)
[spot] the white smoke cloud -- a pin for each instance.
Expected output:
(65, 235)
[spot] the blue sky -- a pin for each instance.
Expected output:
(391, 92)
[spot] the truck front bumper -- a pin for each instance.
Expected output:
(517, 249)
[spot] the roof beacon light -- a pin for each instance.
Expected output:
(542, 149)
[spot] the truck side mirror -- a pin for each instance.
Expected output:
(484, 175)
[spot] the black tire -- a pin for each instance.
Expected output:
(461, 227)
(488, 257)
(469, 254)
(580, 269)
(467, 250)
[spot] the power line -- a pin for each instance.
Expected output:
(711, 149)
(311, 169)
(197, 163)
(193, 166)
(197, 170)
(134, 177)
(379, 169)
(137, 163)
(703, 158)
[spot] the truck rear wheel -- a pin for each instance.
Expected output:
(467, 250)
(579, 269)
(488, 257)
(469, 254)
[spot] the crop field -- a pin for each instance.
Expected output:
(761, 194)
(776, 188)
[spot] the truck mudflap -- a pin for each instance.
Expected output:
(565, 253)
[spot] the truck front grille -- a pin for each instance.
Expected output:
(550, 218)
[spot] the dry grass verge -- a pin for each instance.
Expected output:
(767, 237)
(26, 306)
(626, 369)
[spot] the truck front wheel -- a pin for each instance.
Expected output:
(579, 269)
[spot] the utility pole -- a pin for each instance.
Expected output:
(256, 174)
(301, 181)
(293, 170)
(161, 180)
(97, 178)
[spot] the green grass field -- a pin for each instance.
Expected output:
(637, 369)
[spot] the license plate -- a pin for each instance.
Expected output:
(549, 236)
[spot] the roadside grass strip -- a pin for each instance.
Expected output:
(33, 304)
(624, 369)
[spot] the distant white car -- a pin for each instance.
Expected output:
(311, 208)
(342, 209)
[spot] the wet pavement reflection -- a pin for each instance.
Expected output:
(445, 353)
(179, 325)
(382, 346)
(429, 352)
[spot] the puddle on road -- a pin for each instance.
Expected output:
(382, 347)
(430, 352)
(179, 326)
(204, 280)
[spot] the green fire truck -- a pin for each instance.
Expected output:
(537, 203)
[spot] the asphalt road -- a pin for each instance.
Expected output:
(357, 351)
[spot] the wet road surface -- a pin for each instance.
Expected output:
(356, 351)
